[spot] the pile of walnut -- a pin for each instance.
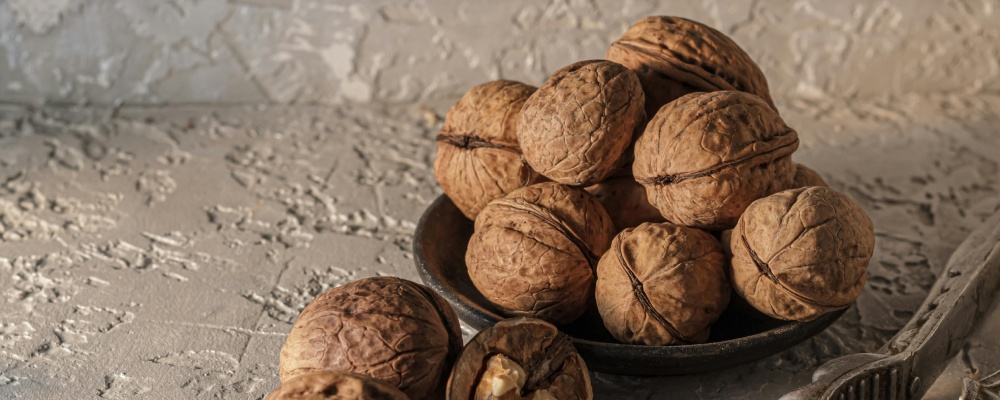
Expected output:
(653, 183)
(389, 338)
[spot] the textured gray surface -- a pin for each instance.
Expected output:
(152, 252)
(164, 253)
(431, 51)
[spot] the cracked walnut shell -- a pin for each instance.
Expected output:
(706, 156)
(801, 253)
(478, 158)
(328, 385)
(533, 252)
(662, 284)
(575, 129)
(521, 358)
(675, 56)
(390, 329)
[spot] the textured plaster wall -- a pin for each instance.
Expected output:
(430, 51)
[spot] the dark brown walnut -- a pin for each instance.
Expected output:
(804, 176)
(801, 253)
(706, 156)
(390, 329)
(533, 252)
(521, 358)
(662, 284)
(575, 129)
(328, 385)
(478, 158)
(625, 201)
(674, 56)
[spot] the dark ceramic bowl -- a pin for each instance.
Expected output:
(741, 334)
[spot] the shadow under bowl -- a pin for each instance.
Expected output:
(741, 335)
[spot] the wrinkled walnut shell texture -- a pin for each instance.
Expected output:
(390, 329)
(533, 252)
(625, 201)
(805, 176)
(575, 129)
(706, 156)
(478, 158)
(675, 56)
(662, 284)
(327, 385)
(547, 355)
(801, 253)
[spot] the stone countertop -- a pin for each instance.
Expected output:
(165, 252)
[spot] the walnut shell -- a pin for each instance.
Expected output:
(390, 329)
(675, 56)
(327, 385)
(662, 284)
(575, 129)
(805, 176)
(706, 156)
(801, 253)
(625, 201)
(533, 252)
(478, 158)
(521, 358)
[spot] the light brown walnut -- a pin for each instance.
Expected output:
(478, 157)
(533, 252)
(706, 156)
(801, 253)
(625, 201)
(805, 176)
(576, 128)
(662, 284)
(390, 329)
(675, 56)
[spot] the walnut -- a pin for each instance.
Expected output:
(706, 156)
(662, 284)
(521, 358)
(390, 329)
(327, 385)
(804, 176)
(675, 56)
(478, 158)
(533, 252)
(625, 201)
(575, 129)
(801, 253)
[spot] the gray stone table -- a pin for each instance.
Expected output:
(165, 252)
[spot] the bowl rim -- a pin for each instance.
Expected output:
(792, 331)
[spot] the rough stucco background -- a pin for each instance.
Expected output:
(163, 252)
(431, 51)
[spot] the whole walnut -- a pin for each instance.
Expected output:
(804, 176)
(706, 156)
(478, 158)
(521, 358)
(533, 252)
(390, 329)
(575, 129)
(625, 201)
(662, 284)
(328, 385)
(674, 56)
(801, 253)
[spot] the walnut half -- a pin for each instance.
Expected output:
(522, 358)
